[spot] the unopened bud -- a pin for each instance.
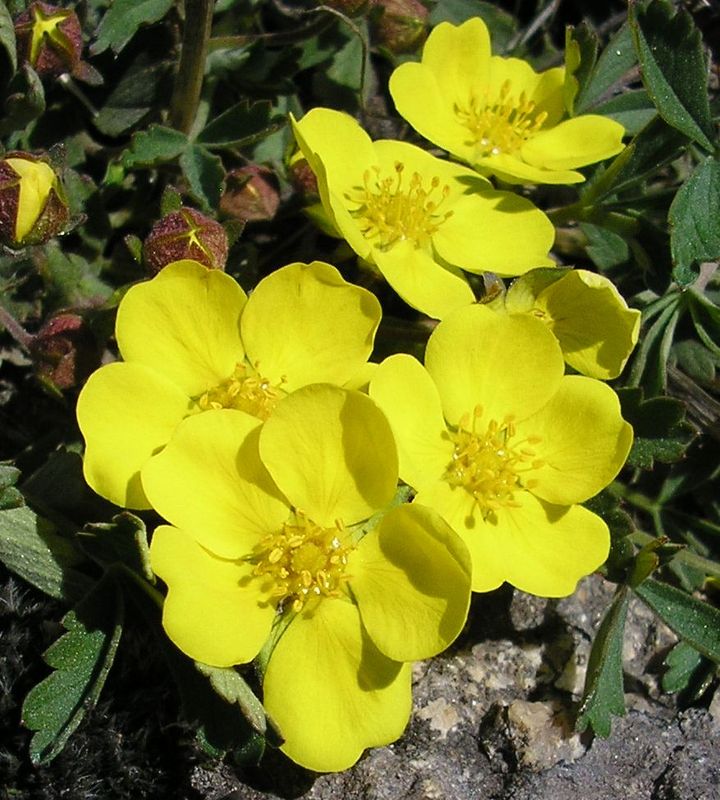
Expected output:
(49, 38)
(302, 176)
(32, 202)
(65, 352)
(401, 25)
(185, 234)
(251, 194)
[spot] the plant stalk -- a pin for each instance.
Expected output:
(193, 52)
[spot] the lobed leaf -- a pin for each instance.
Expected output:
(154, 146)
(681, 663)
(242, 124)
(205, 175)
(694, 621)
(31, 548)
(123, 19)
(7, 36)
(81, 658)
(672, 64)
(695, 218)
(603, 696)
(614, 62)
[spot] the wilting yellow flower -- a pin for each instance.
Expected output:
(495, 438)
(266, 533)
(191, 340)
(496, 113)
(417, 218)
(591, 320)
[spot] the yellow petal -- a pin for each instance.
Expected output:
(126, 412)
(512, 169)
(496, 232)
(507, 364)
(459, 509)
(409, 398)
(215, 612)
(595, 328)
(184, 324)
(546, 549)
(305, 324)
(419, 98)
(459, 57)
(331, 692)
(575, 143)
(584, 441)
(421, 281)
(332, 453)
(210, 482)
(411, 581)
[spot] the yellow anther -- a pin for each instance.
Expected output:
(245, 391)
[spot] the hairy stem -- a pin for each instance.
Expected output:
(189, 78)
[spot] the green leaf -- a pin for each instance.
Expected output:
(673, 68)
(10, 497)
(154, 146)
(633, 110)
(606, 248)
(581, 49)
(7, 36)
(230, 685)
(31, 548)
(681, 663)
(603, 695)
(122, 20)
(607, 506)
(143, 88)
(696, 360)
(25, 100)
(81, 659)
(661, 432)
(170, 201)
(695, 217)
(706, 319)
(649, 366)
(501, 24)
(72, 281)
(241, 125)
(123, 541)
(614, 62)
(654, 146)
(205, 175)
(694, 621)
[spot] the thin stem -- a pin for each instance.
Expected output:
(15, 329)
(189, 78)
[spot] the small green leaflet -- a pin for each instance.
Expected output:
(81, 658)
(603, 696)
(122, 20)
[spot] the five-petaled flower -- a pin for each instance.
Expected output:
(418, 218)
(504, 446)
(498, 114)
(191, 340)
(589, 317)
(264, 531)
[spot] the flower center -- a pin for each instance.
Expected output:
(304, 561)
(396, 208)
(489, 464)
(245, 390)
(501, 125)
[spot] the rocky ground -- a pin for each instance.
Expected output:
(493, 720)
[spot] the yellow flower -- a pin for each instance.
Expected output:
(498, 114)
(191, 340)
(495, 438)
(417, 218)
(591, 320)
(265, 532)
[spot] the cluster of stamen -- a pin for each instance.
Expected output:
(245, 390)
(304, 561)
(489, 464)
(501, 125)
(394, 209)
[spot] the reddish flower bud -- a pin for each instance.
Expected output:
(252, 193)
(302, 176)
(185, 234)
(65, 352)
(32, 201)
(49, 38)
(401, 25)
